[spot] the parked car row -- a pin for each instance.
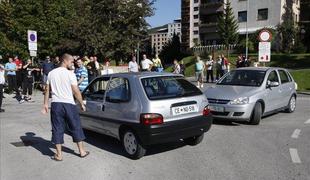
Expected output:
(142, 109)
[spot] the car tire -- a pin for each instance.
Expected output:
(131, 144)
(256, 114)
(291, 105)
(192, 141)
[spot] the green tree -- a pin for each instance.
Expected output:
(287, 30)
(171, 50)
(228, 26)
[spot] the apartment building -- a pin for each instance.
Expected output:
(174, 28)
(250, 14)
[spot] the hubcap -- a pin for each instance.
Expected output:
(293, 104)
(130, 143)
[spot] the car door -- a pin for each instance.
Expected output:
(118, 107)
(286, 87)
(273, 94)
(93, 97)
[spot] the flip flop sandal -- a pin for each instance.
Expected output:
(55, 159)
(87, 153)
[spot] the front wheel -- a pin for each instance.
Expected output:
(192, 141)
(131, 145)
(256, 114)
(291, 105)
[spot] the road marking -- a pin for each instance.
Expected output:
(296, 133)
(294, 156)
(308, 121)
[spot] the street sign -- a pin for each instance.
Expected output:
(32, 36)
(264, 52)
(32, 46)
(265, 36)
(33, 53)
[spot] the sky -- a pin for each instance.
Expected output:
(165, 12)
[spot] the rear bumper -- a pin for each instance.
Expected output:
(173, 131)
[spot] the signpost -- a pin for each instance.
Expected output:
(32, 43)
(264, 46)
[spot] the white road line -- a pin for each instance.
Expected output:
(308, 121)
(296, 133)
(294, 155)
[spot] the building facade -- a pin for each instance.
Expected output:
(159, 38)
(251, 15)
(174, 28)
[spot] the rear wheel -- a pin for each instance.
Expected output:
(256, 114)
(291, 105)
(192, 141)
(131, 145)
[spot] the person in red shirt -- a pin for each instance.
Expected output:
(19, 67)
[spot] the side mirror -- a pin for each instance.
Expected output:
(272, 84)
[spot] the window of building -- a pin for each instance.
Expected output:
(196, 1)
(262, 14)
(196, 8)
(242, 16)
(196, 16)
(196, 24)
(196, 32)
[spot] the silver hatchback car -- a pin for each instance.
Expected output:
(142, 109)
(247, 94)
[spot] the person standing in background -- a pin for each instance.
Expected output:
(19, 73)
(28, 74)
(47, 66)
(146, 63)
(176, 67)
(183, 67)
(157, 64)
(133, 65)
(2, 81)
(91, 67)
(199, 68)
(209, 65)
(81, 75)
(11, 75)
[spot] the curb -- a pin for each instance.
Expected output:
(304, 93)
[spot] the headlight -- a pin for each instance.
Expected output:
(240, 101)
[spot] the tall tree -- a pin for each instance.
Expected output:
(171, 50)
(288, 28)
(228, 25)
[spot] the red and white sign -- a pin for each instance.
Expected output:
(265, 36)
(264, 52)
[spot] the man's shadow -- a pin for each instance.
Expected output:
(42, 145)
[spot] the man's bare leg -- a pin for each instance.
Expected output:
(58, 154)
(81, 148)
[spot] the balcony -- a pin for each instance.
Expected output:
(208, 28)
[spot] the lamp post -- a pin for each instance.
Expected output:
(247, 33)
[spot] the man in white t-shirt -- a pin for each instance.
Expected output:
(133, 65)
(146, 64)
(63, 85)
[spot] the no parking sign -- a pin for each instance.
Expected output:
(32, 36)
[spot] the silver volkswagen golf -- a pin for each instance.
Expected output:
(247, 94)
(142, 109)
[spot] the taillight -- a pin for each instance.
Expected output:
(206, 111)
(151, 119)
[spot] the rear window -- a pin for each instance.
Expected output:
(166, 87)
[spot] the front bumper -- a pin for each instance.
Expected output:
(175, 130)
(234, 112)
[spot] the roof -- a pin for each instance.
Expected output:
(156, 29)
(143, 74)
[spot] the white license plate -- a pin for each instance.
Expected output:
(184, 109)
(216, 108)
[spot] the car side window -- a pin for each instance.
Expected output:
(96, 90)
(118, 91)
(273, 77)
(284, 77)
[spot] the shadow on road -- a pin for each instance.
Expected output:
(42, 145)
(228, 122)
(112, 145)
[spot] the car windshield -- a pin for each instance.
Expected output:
(166, 87)
(243, 78)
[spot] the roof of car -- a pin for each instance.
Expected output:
(144, 74)
(258, 68)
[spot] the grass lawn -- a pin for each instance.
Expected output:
(302, 77)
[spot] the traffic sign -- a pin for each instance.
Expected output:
(264, 51)
(33, 53)
(32, 46)
(32, 36)
(265, 36)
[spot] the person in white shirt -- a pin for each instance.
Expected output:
(63, 85)
(2, 81)
(176, 67)
(146, 64)
(133, 65)
(209, 65)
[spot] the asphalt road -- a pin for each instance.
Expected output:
(279, 148)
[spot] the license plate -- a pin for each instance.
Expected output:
(216, 108)
(184, 109)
